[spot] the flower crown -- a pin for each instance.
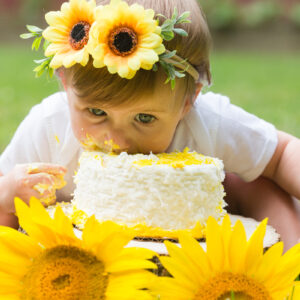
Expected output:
(121, 37)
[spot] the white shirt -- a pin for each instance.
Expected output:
(213, 127)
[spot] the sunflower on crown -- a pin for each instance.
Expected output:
(120, 37)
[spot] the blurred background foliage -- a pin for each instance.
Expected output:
(230, 14)
(221, 14)
(255, 60)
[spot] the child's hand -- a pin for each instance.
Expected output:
(38, 180)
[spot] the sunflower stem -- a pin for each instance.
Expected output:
(232, 295)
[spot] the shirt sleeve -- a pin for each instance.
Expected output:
(243, 141)
(29, 143)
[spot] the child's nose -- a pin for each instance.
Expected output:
(117, 140)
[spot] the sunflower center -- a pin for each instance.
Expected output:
(65, 272)
(122, 41)
(79, 35)
(222, 286)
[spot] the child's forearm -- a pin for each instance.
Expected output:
(287, 172)
(9, 220)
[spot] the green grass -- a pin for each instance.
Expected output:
(264, 84)
(19, 90)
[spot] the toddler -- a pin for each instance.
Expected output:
(115, 90)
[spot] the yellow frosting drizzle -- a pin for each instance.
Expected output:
(177, 159)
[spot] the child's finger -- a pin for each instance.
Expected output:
(46, 168)
(39, 178)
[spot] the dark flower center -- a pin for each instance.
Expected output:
(79, 35)
(123, 41)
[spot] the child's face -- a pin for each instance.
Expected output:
(138, 127)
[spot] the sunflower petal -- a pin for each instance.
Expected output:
(237, 248)
(168, 288)
(215, 244)
(176, 271)
(17, 243)
(266, 267)
(112, 246)
(62, 224)
(196, 254)
(134, 252)
(254, 250)
(132, 264)
(187, 267)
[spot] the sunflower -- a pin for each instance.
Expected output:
(230, 266)
(68, 33)
(125, 38)
(52, 263)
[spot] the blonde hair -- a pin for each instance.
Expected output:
(103, 87)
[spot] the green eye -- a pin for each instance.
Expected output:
(144, 118)
(97, 112)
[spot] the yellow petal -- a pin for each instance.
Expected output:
(255, 248)
(267, 265)
(112, 246)
(68, 59)
(197, 255)
(54, 48)
(95, 233)
(65, 8)
(56, 61)
(55, 18)
(14, 267)
(134, 63)
(137, 279)
(150, 41)
(38, 212)
(17, 243)
(99, 64)
(215, 246)
(112, 69)
(12, 296)
(54, 35)
(132, 264)
(237, 248)
(286, 275)
(133, 252)
(176, 271)
(147, 56)
(187, 267)
(123, 71)
(168, 288)
(63, 224)
(160, 50)
(128, 294)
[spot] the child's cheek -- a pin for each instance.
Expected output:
(79, 132)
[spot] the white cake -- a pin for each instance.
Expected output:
(159, 195)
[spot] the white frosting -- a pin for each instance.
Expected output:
(113, 187)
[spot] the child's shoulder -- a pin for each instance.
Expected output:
(52, 105)
(211, 100)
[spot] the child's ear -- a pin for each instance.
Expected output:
(197, 91)
(189, 101)
(61, 75)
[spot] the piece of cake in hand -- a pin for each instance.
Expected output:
(47, 191)
(159, 195)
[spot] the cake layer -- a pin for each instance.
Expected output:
(170, 192)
